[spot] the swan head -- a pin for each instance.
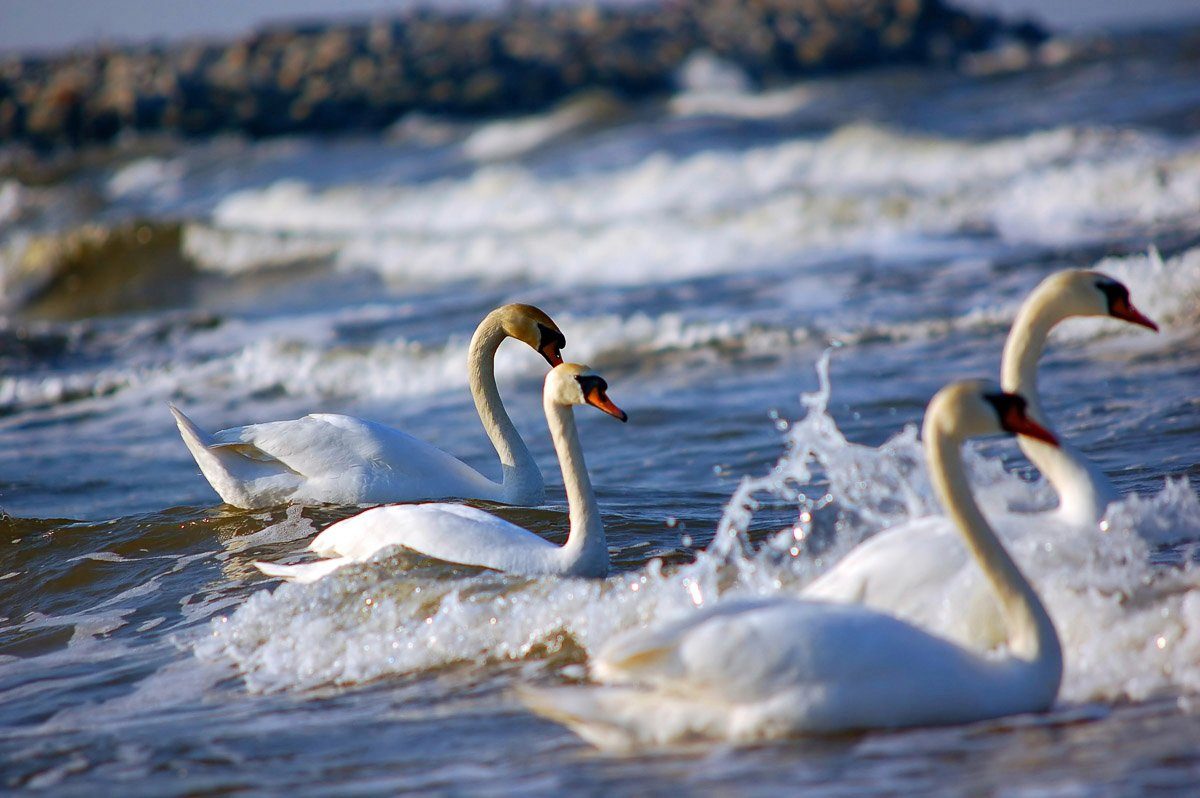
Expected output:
(975, 408)
(532, 326)
(571, 384)
(1081, 292)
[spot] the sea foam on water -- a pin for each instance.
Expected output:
(1130, 628)
(670, 217)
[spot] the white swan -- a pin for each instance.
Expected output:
(469, 536)
(336, 459)
(918, 570)
(1084, 492)
(755, 669)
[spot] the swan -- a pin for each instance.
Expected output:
(469, 536)
(918, 570)
(1084, 492)
(337, 459)
(755, 669)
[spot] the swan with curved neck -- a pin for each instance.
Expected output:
(1084, 492)
(753, 669)
(468, 536)
(337, 459)
(917, 570)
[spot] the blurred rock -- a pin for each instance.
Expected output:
(343, 77)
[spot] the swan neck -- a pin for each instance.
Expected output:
(1031, 633)
(1084, 493)
(522, 481)
(1024, 346)
(586, 541)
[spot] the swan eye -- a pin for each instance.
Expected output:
(589, 383)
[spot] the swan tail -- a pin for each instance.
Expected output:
(305, 573)
(239, 480)
(620, 718)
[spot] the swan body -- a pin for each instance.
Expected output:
(469, 536)
(757, 669)
(919, 570)
(337, 459)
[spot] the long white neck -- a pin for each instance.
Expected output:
(522, 480)
(1084, 492)
(1023, 349)
(1031, 633)
(586, 544)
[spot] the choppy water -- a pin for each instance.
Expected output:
(702, 254)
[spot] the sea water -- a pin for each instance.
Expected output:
(773, 285)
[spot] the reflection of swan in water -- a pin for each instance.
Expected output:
(336, 459)
(755, 669)
(917, 570)
(468, 536)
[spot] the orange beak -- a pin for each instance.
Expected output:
(1123, 309)
(1015, 421)
(598, 399)
(550, 351)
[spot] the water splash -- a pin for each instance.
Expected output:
(1130, 627)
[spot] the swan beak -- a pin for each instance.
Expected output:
(550, 345)
(1123, 309)
(1014, 420)
(597, 398)
(550, 351)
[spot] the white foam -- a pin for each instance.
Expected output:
(293, 527)
(300, 356)
(741, 105)
(704, 71)
(511, 138)
(1168, 291)
(1130, 629)
(664, 217)
(11, 192)
(157, 178)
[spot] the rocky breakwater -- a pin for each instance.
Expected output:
(342, 77)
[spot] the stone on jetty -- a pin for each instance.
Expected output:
(347, 77)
